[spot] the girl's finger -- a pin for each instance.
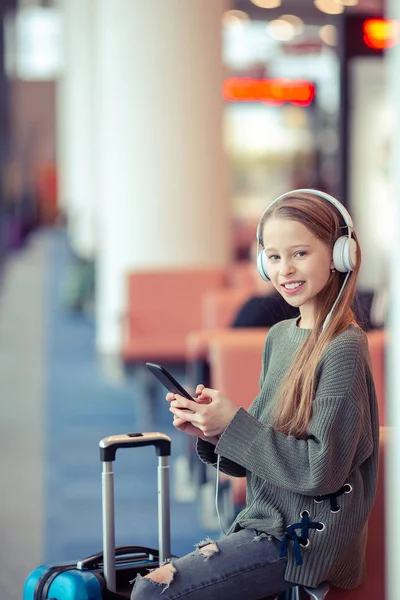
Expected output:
(185, 415)
(209, 392)
(204, 397)
(181, 402)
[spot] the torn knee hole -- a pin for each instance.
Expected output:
(209, 550)
(163, 575)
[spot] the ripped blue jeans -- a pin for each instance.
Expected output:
(245, 564)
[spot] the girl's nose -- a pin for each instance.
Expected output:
(287, 268)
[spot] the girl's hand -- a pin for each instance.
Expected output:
(190, 429)
(186, 426)
(210, 413)
(170, 397)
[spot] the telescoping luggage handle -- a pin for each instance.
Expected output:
(108, 448)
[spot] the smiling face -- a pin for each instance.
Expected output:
(299, 264)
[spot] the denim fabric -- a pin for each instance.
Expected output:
(246, 564)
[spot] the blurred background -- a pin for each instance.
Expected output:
(139, 144)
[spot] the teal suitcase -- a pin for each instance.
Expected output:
(108, 575)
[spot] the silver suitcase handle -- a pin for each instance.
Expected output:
(108, 448)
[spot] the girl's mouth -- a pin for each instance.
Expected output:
(293, 288)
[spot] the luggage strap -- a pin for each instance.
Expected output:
(44, 582)
(47, 578)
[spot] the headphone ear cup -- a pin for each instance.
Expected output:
(262, 265)
(352, 253)
(345, 254)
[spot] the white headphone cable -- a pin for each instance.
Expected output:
(328, 316)
(216, 495)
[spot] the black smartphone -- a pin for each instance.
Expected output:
(167, 380)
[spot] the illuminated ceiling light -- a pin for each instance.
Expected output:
(234, 18)
(267, 3)
(274, 92)
(281, 30)
(348, 2)
(328, 34)
(381, 33)
(330, 7)
(296, 22)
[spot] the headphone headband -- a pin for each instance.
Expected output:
(323, 195)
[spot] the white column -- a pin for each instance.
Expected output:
(393, 371)
(75, 125)
(162, 186)
(370, 198)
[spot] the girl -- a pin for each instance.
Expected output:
(308, 446)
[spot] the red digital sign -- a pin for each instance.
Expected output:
(381, 33)
(274, 92)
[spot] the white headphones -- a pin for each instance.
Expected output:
(344, 250)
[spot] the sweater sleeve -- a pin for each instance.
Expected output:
(206, 451)
(340, 433)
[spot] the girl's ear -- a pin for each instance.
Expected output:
(332, 267)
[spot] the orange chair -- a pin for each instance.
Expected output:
(377, 340)
(219, 307)
(162, 308)
(198, 355)
(241, 274)
(228, 356)
(198, 344)
(236, 364)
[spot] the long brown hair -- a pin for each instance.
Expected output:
(295, 395)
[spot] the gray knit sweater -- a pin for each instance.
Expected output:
(285, 474)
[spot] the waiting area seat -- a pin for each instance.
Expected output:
(377, 344)
(200, 364)
(235, 359)
(219, 307)
(162, 308)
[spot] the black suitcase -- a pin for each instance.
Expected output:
(108, 575)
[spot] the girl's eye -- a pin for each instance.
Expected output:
(274, 257)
